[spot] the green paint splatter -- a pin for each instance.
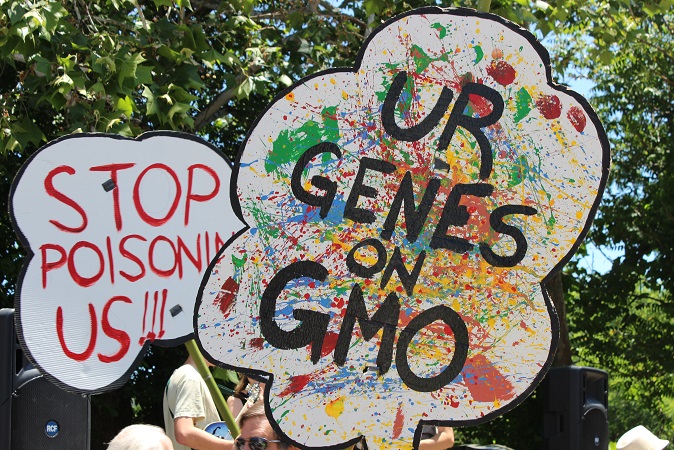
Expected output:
(523, 103)
(441, 29)
(518, 172)
(479, 54)
(422, 60)
(291, 144)
(550, 224)
(239, 262)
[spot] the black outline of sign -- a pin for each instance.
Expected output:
(601, 134)
(121, 381)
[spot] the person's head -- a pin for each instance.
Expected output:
(256, 431)
(639, 438)
(141, 437)
(241, 385)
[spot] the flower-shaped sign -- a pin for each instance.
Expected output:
(119, 233)
(402, 216)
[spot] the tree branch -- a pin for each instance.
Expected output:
(206, 114)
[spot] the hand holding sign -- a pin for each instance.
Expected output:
(402, 217)
(119, 233)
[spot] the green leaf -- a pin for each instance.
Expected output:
(606, 57)
(42, 66)
(35, 18)
(373, 6)
(143, 75)
(285, 80)
(231, 59)
(167, 3)
(305, 47)
(181, 110)
(169, 53)
(180, 94)
(128, 64)
(543, 6)
(64, 83)
(125, 106)
(25, 132)
(23, 32)
(150, 105)
(244, 89)
(104, 65)
(97, 88)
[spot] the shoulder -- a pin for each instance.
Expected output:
(185, 374)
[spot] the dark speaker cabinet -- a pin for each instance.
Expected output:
(576, 409)
(34, 413)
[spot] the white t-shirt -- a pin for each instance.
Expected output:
(186, 395)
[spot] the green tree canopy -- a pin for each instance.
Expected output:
(129, 66)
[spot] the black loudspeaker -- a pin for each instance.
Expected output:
(576, 409)
(34, 413)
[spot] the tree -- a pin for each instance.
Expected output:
(126, 66)
(623, 320)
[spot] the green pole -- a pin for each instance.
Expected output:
(219, 400)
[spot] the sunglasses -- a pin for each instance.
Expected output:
(254, 443)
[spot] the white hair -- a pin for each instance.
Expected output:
(141, 437)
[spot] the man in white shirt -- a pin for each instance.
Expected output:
(188, 409)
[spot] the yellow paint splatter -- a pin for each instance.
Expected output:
(290, 97)
(335, 408)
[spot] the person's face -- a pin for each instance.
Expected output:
(257, 427)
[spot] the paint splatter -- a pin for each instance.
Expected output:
(485, 382)
(389, 287)
(479, 53)
(398, 423)
(523, 104)
(226, 296)
(441, 30)
(502, 72)
(549, 106)
(577, 118)
(335, 408)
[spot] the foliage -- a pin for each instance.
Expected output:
(623, 320)
(124, 66)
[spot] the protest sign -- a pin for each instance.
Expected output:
(402, 216)
(119, 233)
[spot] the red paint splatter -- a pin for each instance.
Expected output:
(257, 343)
(502, 72)
(398, 423)
(480, 105)
(329, 343)
(549, 106)
(485, 382)
(226, 296)
(577, 118)
(297, 383)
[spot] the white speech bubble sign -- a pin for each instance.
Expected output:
(119, 233)
(402, 218)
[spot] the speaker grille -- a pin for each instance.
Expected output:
(39, 403)
(595, 428)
